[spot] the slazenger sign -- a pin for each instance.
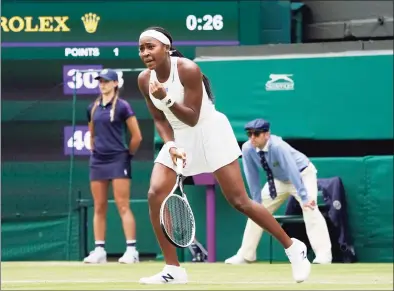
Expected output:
(35, 24)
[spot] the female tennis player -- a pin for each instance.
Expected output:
(179, 98)
(110, 160)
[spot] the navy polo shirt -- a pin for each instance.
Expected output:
(110, 137)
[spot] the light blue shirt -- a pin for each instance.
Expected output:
(284, 161)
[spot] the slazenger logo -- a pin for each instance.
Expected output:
(280, 82)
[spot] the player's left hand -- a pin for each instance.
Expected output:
(157, 90)
(311, 204)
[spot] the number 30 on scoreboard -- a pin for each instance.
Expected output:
(84, 83)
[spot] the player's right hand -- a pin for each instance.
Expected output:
(177, 154)
(157, 90)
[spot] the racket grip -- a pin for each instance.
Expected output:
(179, 163)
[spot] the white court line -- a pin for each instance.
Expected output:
(193, 282)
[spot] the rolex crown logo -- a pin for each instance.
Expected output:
(90, 21)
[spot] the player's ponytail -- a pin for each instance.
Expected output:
(95, 104)
(112, 112)
(175, 53)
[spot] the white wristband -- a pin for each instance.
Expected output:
(170, 144)
(168, 101)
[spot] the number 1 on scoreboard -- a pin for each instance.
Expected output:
(116, 51)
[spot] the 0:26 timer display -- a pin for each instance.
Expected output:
(205, 22)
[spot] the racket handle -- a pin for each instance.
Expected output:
(179, 163)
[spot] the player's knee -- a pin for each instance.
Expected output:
(123, 209)
(100, 208)
(240, 202)
(154, 195)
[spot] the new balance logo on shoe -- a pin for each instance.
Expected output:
(167, 277)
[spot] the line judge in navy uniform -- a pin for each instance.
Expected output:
(109, 117)
(288, 172)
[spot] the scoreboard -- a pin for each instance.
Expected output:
(110, 29)
(44, 42)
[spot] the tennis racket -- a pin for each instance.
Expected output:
(176, 216)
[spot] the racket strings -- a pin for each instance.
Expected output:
(178, 220)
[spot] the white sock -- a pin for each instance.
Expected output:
(291, 248)
(100, 244)
(172, 267)
(131, 245)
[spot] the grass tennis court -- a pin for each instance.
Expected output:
(202, 276)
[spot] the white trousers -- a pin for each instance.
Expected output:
(315, 224)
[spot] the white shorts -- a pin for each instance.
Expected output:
(210, 145)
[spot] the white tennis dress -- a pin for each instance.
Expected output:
(209, 145)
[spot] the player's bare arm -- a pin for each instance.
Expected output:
(90, 125)
(163, 127)
(135, 132)
(191, 79)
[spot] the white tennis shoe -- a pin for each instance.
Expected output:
(129, 257)
(97, 256)
(169, 275)
(301, 267)
(236, 260)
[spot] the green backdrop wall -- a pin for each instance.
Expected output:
(367, 181)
